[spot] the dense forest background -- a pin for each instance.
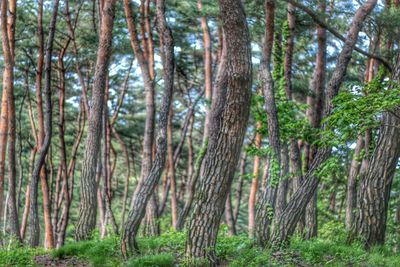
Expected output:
(200, 133)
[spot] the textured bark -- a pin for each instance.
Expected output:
(88, 203)
(229, 116)
(286, 224)
(268, 197)
(146, 186)
(351, 192)
(191, 188)
(370, 222)
(142, 54)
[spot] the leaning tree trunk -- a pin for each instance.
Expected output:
(34, 214)
(370, 222)
(88, 203)
(144, 55)
(286, 224)
(228, 121)
(146, 186)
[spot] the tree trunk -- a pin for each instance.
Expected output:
(370, 222)
(207, 46)
(228, 121)
(88, 204)
(239, 187)
(146, 186)
(268, 198)
(286, 224)
(171, 170)
(283, 187)
(254, 185)
(351, 192)
(38, 168)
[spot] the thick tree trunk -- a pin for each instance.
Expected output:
(370, 222)
(228, 121)
(146, 186)
(88, 203)
(286, 224)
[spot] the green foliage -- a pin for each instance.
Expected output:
(159, 260)
(104, 252)
(19, 256)
(330, 249)
(358, 108)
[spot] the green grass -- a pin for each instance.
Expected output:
(19, 256)
(329, 249)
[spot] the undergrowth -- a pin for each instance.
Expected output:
(329, 249)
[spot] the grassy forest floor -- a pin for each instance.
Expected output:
(329, 249)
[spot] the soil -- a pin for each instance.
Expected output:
(47, 260)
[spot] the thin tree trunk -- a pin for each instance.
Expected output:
(171, 169)
(351, 192)
(230, 221)
(254, 185)
(239, 191)
(207, 57)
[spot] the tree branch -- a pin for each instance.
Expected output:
(320, 21)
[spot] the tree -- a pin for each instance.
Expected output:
(146, 186)
(229, 115)
(373, 201)
(88, 202)
(286, 223)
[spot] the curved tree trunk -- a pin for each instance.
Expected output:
(38, 168)
(146, 186)
(228, 121)
(88, 204)
(370, 222)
